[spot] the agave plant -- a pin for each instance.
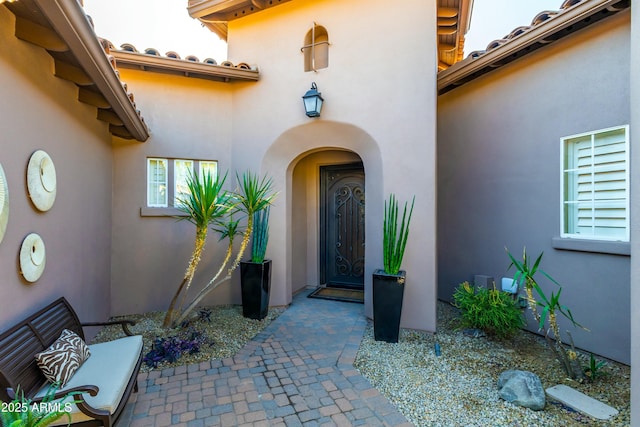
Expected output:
(23, 412)
(254, 194)
(205, 204)
(394, 239)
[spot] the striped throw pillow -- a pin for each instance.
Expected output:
(80, 345)
(62, 359)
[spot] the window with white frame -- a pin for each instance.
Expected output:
(182, 170)
(161, 172)
(157, 180)
(595, 185)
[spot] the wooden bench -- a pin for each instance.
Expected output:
(104, 381)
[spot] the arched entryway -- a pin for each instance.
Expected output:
(328, 219)
(294, 161)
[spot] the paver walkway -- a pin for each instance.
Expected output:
(297, 372)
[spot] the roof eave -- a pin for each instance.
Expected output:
(544, 33)
(70, 22)
(135, 60)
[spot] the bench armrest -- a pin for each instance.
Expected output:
(124, 323)
(76, 391)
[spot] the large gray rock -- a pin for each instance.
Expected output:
(522, 388)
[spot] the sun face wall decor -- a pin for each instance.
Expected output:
(4, 203)
(41, 180)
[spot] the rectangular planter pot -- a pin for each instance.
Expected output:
(255, 280)
(388, 293)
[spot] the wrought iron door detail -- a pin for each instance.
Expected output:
(343, 224)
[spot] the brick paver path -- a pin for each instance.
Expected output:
(297, 372)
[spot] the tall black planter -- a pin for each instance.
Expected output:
(388, 293)
(255, 280)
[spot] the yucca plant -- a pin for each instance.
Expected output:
(525, 274)
(260, 235)
(206, 203)
(394, 235)
(254, 194)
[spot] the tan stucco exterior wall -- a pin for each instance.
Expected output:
(499, 177)
(379, 92)
(40, 111)
(635, 217)
(188, 119)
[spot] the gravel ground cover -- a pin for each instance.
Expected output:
(458, 388)
(225, 331)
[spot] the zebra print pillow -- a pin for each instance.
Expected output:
(80, 345)
(62, 359)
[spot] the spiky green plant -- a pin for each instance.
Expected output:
(254, 194)
(394, 239)
(205, 204)
(260, 235)
(525, 274)
(594, 369)
(23, 412)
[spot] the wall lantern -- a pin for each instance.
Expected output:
(313, 101)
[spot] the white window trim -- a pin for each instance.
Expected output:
(166, 183)
(176, 178)
(584, 237)
(169, 209)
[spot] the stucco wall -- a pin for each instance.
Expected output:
(40, 111)
(498, 174)
(380, 83)
(635, 217)
(188, 119)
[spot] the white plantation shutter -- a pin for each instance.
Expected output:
(595, 185)
(157, 179)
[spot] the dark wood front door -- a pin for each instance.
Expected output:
(342, 226)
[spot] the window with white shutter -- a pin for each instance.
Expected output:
(595, 185)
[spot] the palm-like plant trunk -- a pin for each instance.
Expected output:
(173, 311)
(212, 283)
(209, 287)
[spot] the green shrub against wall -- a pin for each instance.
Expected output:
(493, 311)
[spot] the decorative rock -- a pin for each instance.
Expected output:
(522, 388)
(474, 332)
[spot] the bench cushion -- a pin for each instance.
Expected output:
(110, 367)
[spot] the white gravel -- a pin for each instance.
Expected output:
(459, 388)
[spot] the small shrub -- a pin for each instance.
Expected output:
(171, 348)
(594, 369)
(490, 310)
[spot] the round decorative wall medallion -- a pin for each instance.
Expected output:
(4, 203)
(32, 257)
(41, 180)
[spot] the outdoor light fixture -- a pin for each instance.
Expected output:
(312, 101)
